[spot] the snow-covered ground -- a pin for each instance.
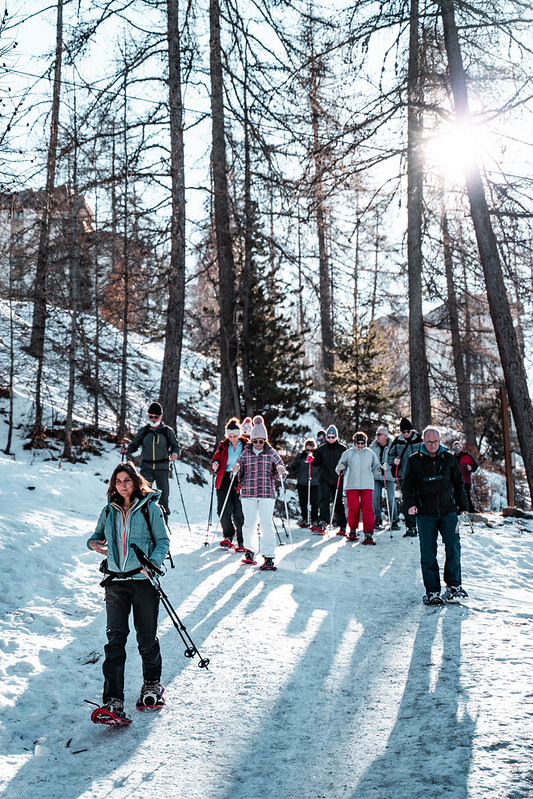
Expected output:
(328, 677)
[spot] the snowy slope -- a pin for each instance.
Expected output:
(328, 678)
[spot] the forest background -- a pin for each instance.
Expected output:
(329, 203)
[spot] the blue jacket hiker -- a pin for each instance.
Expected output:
(132, 516)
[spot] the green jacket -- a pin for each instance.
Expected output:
(155, 546)
(157, 443)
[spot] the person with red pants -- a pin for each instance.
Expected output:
(362, 468)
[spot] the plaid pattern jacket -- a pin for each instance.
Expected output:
(258, 473)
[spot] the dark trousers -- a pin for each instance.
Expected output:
(327, 494)
(468, 492)
(160, 476)
(121, 596)
(303, 492)
(429, 528)
(233, 517)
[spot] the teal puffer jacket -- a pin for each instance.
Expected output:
(155, 545)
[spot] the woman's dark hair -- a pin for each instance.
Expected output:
(141, 487)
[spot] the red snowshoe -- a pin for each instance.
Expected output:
(112, 714)
(151, 697)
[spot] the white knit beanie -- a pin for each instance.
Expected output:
(258, 429)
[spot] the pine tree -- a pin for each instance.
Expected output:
(360, 380)
(279, 386)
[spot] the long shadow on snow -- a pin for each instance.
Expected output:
(72, 752)
(350, 705)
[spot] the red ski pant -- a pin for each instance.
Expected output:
(360, 501)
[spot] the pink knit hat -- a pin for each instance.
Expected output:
(259, 429)
(246, 426)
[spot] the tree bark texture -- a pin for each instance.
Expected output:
(418, 365)
(36, 345)
(246, 278)
(229, 389)
(463, 393)
(176, 274)
(508, 346)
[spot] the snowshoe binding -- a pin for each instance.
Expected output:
(111, 713)
(341, 531)
(368, 539)
(268, 565)
(151, 697)
(319, 529)
(433, 598)
(227, 544)
(249, 558)
(352, 536)
(454, 592)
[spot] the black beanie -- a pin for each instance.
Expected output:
(405, 424)
(155, 409)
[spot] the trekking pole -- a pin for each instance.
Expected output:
(277, 532)
(151, 571)
(334, 502)
(287, 515)
(210, 515)
(221, 514)
(309, 460)
(181, 495)
(387, 503)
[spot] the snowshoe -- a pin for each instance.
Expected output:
(151, 697)
(226, 544)
(433, 598)
(411, 532)
(249, 558)
(303, 524)
(268, 565)
(111, 713)
(341, 531)
(368, 539)
(454, 592)
(319, 529)
(240, 548)
(352, 536)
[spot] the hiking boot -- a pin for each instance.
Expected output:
(411, 532)
(268, 565)
(378, 524)
(454, 592)
(151, 696)
(115, 706)
(395, 526)
(352, 536)
(249, 557)
(368, 539)
(433, 598)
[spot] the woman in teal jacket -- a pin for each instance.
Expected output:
(132, 515)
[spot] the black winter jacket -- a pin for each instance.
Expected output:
(327, 457)
(433, 485)
(299, 468)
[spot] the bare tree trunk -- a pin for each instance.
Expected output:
(510, 355)
(418, 365)
(229, 389)
(36, 345)
(463, 393)
(245, 283)
(176, 274)
(121, 427)
(324, 284)
(67, 450)
(7, 450)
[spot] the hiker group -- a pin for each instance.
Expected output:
(132, 531)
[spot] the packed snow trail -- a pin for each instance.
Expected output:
(328, 678)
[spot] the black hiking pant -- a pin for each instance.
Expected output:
(122, 596)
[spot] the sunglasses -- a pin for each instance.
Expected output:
(258, 440)
(153, 416)
(332, 437)
(359, 443)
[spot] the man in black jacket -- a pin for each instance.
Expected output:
(433, 492)
(327, 457)
(159, 446)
